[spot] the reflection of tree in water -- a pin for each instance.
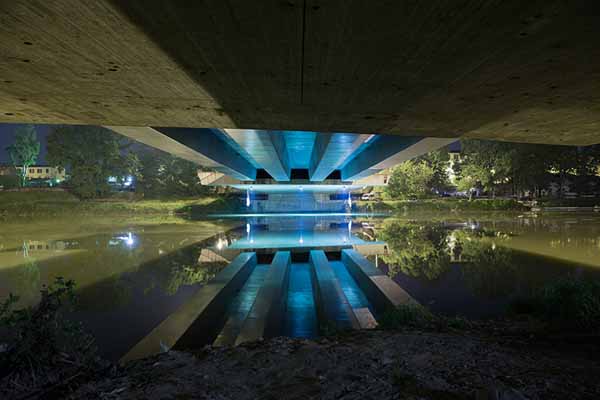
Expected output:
(189, 274)
(416, 250)
(489, 270)
(427, 251)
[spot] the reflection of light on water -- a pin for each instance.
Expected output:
(219, 244)
(128, 239)
(247, 198)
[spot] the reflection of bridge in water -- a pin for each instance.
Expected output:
(277, 284)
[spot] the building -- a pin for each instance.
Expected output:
(44, 172)
(7, 170)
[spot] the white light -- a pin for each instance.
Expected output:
(301, 240)
(247, 228)
(247, 198)
(367, 140)
(220, 244)
(301, 188)
(129, 239)
(350, 199)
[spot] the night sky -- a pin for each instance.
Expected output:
(7, 135)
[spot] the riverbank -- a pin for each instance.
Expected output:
(43, 204)
(407, 364)
(443, 204)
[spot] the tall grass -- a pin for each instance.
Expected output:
(568, 304)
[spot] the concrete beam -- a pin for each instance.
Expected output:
(194, 324)
(330, 151)
(201, 146)
(387, 151)
(267, 148)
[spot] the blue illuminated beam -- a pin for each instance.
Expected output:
(200, 146)
(267, 149)
(330, 151)
(387, 151)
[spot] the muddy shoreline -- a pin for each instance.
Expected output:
(409, 364)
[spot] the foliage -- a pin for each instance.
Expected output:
(41, 338)
(571, 304)
(492, 166)
(25, 150)
(438, 161)
(490, 270)
(415, 250)
(93, 154)
(163, 175)
(182, 275)
(411, 179)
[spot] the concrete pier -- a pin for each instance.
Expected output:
(266, 317)
(382, 292)
(333, 308)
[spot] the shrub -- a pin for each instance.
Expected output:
(42, 341)
(571, 304)
(568, 304)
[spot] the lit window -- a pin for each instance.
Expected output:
(39, 170)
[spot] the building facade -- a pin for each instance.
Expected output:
(44, 172)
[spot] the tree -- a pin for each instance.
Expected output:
(25, 150)
(487, 164)
(163, 175)
(411, 179)
(439, 161)
(92, 154)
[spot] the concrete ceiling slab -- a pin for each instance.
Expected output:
(511, 70)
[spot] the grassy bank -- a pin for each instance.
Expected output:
(40, 204)
(444, 204)
(578, 202)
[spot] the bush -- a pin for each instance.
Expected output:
(43, 346)
(568, 304)
(571, 304)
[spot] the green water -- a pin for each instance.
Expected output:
(131, 276)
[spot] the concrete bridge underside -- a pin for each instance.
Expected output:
(249, 155)
(511, 70)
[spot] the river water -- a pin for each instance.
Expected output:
(132, 275)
